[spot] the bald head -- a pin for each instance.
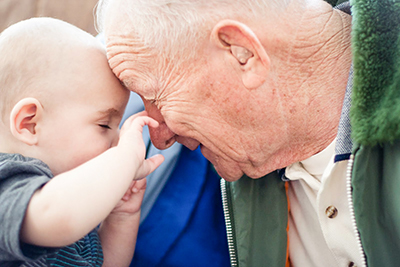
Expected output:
(34, 49)
(177, 28)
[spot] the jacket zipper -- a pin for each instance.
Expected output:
(351, 208)
(228, 224)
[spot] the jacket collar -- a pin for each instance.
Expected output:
(344, 144)
(375, 109)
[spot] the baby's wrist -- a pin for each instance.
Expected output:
(122, 217)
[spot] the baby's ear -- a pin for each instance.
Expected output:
(24, 118)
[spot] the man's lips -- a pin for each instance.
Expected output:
(207, 154)
(190, 143)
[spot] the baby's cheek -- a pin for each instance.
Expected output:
(85, 157)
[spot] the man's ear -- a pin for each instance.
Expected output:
(246, 50)
(24, 118)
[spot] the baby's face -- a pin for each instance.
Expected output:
(81, 117)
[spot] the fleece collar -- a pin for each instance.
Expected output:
(375, 109)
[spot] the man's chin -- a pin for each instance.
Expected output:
(229, 174)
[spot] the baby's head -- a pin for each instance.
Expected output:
(59, 100)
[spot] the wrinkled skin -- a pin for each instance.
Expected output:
(243, 129)
(193, 111)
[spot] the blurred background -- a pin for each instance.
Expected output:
(77, 12)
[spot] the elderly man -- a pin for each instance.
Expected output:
(267, 85)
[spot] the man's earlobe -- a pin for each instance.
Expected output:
(243, 45)
(24, 118)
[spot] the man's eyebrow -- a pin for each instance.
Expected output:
(125, 84)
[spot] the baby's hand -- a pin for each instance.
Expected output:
(131, 142)
(132, 200)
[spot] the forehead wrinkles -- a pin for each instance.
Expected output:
(146, 70)
(122, 52)
(132, 63)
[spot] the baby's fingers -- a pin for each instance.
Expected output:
(128, 192)
(138, 121)
(149, 165)
(139, 185)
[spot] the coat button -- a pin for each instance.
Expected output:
(331, 212)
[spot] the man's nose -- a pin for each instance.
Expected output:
(162, 137)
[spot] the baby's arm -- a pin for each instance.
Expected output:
(73, 203)
(118, 232)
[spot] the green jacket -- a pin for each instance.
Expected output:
(257, 209)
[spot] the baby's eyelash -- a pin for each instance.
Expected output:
(105, 126)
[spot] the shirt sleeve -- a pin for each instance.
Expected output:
(18, 181)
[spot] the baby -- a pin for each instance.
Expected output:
(64, 167)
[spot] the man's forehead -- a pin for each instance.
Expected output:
(142, 69)
(133, 64)
(143, 87)
(120, 43)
